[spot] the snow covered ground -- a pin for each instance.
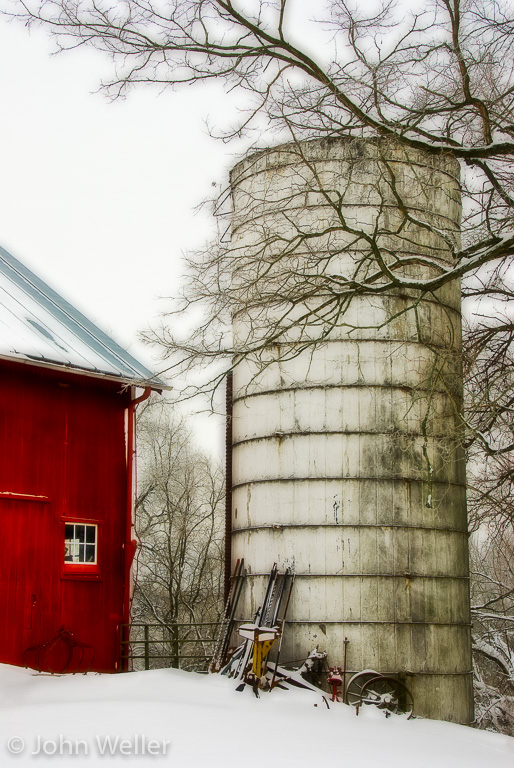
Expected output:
(174, 718)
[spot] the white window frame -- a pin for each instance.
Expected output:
(74, 543)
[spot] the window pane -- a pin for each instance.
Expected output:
(90, 553)
(80, 533)
(91, 534)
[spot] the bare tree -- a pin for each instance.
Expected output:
(489, 403)
(180, 527)
(493, 633)
(439, 80)
(489, 385)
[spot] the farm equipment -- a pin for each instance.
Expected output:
(386, 692)
(248, 662)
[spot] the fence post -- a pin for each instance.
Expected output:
(147, 646)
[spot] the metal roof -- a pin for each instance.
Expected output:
(39, 326)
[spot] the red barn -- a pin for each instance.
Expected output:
(66, 493)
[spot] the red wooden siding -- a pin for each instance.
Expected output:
(62, 437)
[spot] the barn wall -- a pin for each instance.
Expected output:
(62, 437)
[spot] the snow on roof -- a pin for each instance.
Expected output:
(37, 325)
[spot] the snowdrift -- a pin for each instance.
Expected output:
(186, 720)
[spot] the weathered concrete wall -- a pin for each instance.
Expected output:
(346, 464)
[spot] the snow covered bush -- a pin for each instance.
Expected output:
(492, 586)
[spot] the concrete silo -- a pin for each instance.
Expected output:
(346, 459)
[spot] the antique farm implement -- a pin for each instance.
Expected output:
(250, 664)
(249, 661)
(386, 692)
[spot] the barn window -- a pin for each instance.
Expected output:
(80, 544)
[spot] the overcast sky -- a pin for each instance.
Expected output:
(98, 197)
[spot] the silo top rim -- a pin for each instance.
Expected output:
(343, 148)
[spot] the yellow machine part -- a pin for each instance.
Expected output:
(260, 653)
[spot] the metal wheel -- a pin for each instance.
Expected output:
(356, 684)
(389, 694)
